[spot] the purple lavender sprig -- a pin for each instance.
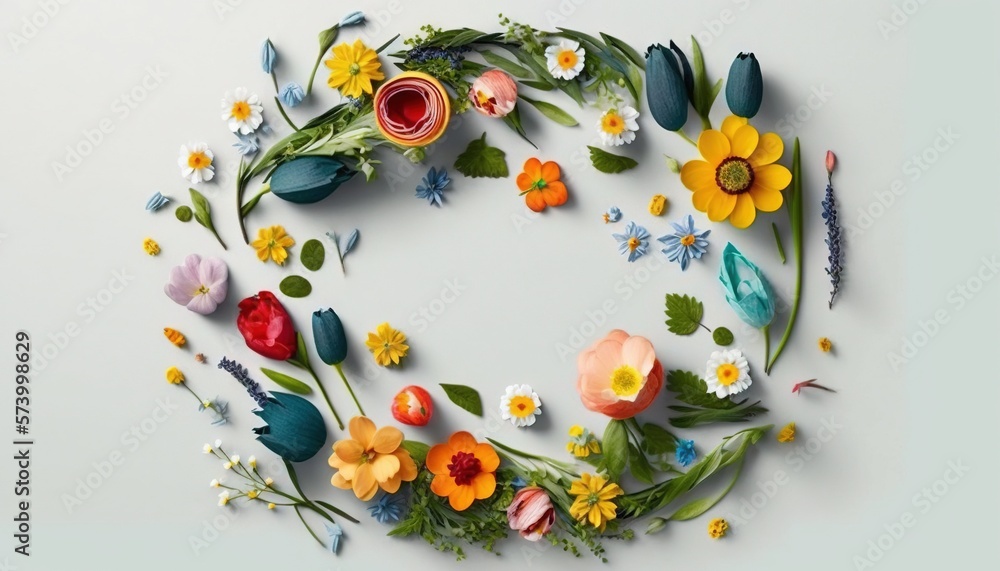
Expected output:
(833, 230)
(239, 372)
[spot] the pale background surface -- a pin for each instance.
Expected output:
(527, 287)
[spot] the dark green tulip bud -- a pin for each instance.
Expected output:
(665, 88)
(328, 333)
(295, 429)
(745, 88)
(309, 179)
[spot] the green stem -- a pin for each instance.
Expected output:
(311, 532)
(326, 397)
(684, 136)
(795, 214)
(274, 78)
(777, 240)
(252, 203)
(349, 389)
(706, 123)
(767, 344)
(241, 185)
(284, 115)
(219, 238)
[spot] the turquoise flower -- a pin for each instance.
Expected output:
(686, 243)
(291, 94)
(432, 186)
(634, 241)
(685, 452)
(746, 289)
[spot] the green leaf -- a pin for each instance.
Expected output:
(539, 85)
(552, 112)
(465, 397)
(202, 209)
(301, 358)
(418, 450)
(513, 120)
(610, 163)
(626, 50)
(684, 314)
(704, 94)
(288, 383)
(615, 447)
(183, 213)
(638, 465)
(482, 160)
(658, 440)
(295, 286)
(673, 164)
(722, 336)
(693, 390)
(691, 417)
(697, 507)
(313, 254)
(506, 65)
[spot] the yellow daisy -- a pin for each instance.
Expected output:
(388, 345)
(737, 176)
(594, 500)
(271, 243)
(582, 442)
(353, 68)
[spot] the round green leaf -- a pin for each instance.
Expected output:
(313, 254)
(295, 286)
(722, 336)
(184, 213)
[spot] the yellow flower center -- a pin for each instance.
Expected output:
(522, 407)
(625, 381)
(240, 110)
(568, 59)
(354, 69)
(198, 160)
(727, 373)
(633, 243)
(202, 289)
(687, 240)
(612, 123)
(734, 175)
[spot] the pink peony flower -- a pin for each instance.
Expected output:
(619, 375)
(494, 94)
(200, 284)
(531, 513)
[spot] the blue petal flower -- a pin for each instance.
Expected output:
(352, 19)
(247, 145)
(686, 243)
(614, 214)
(634, 242)
(685, 452)
(334, 531)
(387, 508)
(267, 56)
(291, 94)
(156, 202)
(432, 186)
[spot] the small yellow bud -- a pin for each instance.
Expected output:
(787, 433)
(252, 461)
(175, 376)
(825, 345)
(150, 246)
(271, 506)
(269, 482)
(658, 205)
(252, 494)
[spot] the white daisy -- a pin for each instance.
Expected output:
(224, 498)
(520, 405)
(195, 161)
(565, 60)
(727, 373)
(242, 111)
(618, 125)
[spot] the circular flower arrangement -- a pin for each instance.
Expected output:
(467, 490)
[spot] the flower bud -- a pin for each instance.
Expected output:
(665, 88)
(493, 94)
(745, 88)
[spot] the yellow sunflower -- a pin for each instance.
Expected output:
(271, 243)
(737, 176)
(388, 345)
(353, 68)
(594, 500)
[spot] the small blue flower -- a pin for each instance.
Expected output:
(267, 56)
(686, 243)
(291, 94)
(335, 532)
(387, 508)
(352, 19)
(518, 482)
(219, 409)
(685, 453)
(247, 145)
(614, 214)
(156, 202)
(432, 186)
(634, 242)
(266, 129)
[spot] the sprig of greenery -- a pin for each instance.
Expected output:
(793, 202)
(705, 407)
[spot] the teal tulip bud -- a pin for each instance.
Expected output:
(667, 87)
(309, 179)
(746, 289)
(328, 333)
(295, 429)
(745, 87)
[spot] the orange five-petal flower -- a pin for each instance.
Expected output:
(371, 459)
(463, 470)
(540, 185)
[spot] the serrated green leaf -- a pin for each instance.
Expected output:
(722, 336)
(658, 440)
(638, 465)
(615, 447)
(693, 390)
(183, 213)
(295, 286)
(482, 160)
(684, 314)
(313, 255)
(286, 382)
(692, 417)
(610, 163)
(505, 64)
(465, 397)
(552, 112)
(418, 450)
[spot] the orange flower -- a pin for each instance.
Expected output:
(371, 459)
(463, 470)
(540, 185)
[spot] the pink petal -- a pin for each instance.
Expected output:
(202, 304)
(638, 352)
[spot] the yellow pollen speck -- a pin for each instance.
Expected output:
(825, 345)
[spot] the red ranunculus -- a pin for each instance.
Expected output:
(266, 327)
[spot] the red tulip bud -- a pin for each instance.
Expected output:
(831, 162)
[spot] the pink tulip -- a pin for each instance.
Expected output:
(831, 162)
(200, 284)
(531, 513)
(494, 94)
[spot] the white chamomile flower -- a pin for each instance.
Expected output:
(227, 466)
(617, 126)
(224, 498)
(727, 373)
(268, 482)
(215, 483)
(252, 461)
(520, 405)
(235, 458)
(195, 161)
(565, 60)
(241, 110)
(207, 449)
(218, 444)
